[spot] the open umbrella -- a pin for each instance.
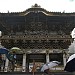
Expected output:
(49, 65)
(44, 67)
(3, 51)
(6, 52)
(15, 50)
(70, 65)
(53, 64)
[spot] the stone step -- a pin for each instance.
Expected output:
(36, 73)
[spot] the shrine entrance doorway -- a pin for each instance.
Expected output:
(35, 60)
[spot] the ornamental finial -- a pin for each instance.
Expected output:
(35, 6)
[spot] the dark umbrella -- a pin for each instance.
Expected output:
(70, 65)
(6, 52)
(3, 51)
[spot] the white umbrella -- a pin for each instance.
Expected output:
(49, 65)
(44, 67)
(53, 63)
(15, 49)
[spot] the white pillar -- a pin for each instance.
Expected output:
(24, 63)
(3, 59)
(47, 57)
(0, 33)
(64, 59)
(6, 65)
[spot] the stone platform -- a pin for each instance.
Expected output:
(36, 73)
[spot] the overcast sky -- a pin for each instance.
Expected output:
(50, 5)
